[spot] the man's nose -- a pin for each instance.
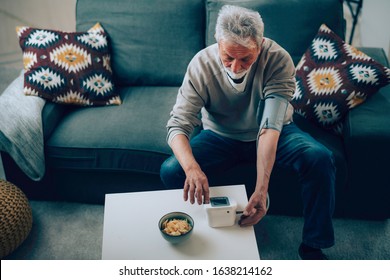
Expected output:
(235, 66)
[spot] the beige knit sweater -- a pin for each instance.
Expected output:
(207, 97)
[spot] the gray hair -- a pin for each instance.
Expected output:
(239, 25)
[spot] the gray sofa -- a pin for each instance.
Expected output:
(91, 151)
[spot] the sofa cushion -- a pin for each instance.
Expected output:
(152, 41)
(334, 77)
(131, 137)
(68, 67)
(284, 21)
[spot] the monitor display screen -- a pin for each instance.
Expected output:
(219, 201)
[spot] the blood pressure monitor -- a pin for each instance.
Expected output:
(221, 211)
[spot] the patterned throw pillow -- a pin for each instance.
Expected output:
(68, 67)
(332, 78)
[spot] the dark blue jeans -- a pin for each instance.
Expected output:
(312, 161)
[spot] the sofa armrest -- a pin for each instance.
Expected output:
(366, 139)
(52, 114)
(378, 54)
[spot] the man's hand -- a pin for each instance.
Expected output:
(196, 186)
(266, 154)
(255, 210)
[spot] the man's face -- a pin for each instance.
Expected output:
(236, 57)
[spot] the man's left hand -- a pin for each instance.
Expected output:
(254, 211)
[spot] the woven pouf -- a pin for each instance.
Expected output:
(15, 217)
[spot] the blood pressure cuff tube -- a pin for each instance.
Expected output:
(271, 112)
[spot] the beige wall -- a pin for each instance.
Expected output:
(53, 14)
(375, 24)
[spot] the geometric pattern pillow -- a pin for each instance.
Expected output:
(333, 77)
(68, 67)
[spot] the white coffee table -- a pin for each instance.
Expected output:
(131, 228)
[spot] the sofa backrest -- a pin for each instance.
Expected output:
(291, 23)
(152, 41)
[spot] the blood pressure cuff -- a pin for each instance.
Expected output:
(271, 112)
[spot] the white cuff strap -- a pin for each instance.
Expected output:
(272, 111)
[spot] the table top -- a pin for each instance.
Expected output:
(131, 228)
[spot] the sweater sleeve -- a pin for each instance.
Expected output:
(280, 76)
(185, 115)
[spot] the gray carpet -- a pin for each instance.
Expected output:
(72, 231)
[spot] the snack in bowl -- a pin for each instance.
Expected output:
(176, 227)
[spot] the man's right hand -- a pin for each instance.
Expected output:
(196, 186)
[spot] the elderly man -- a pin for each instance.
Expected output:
(241, 87)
